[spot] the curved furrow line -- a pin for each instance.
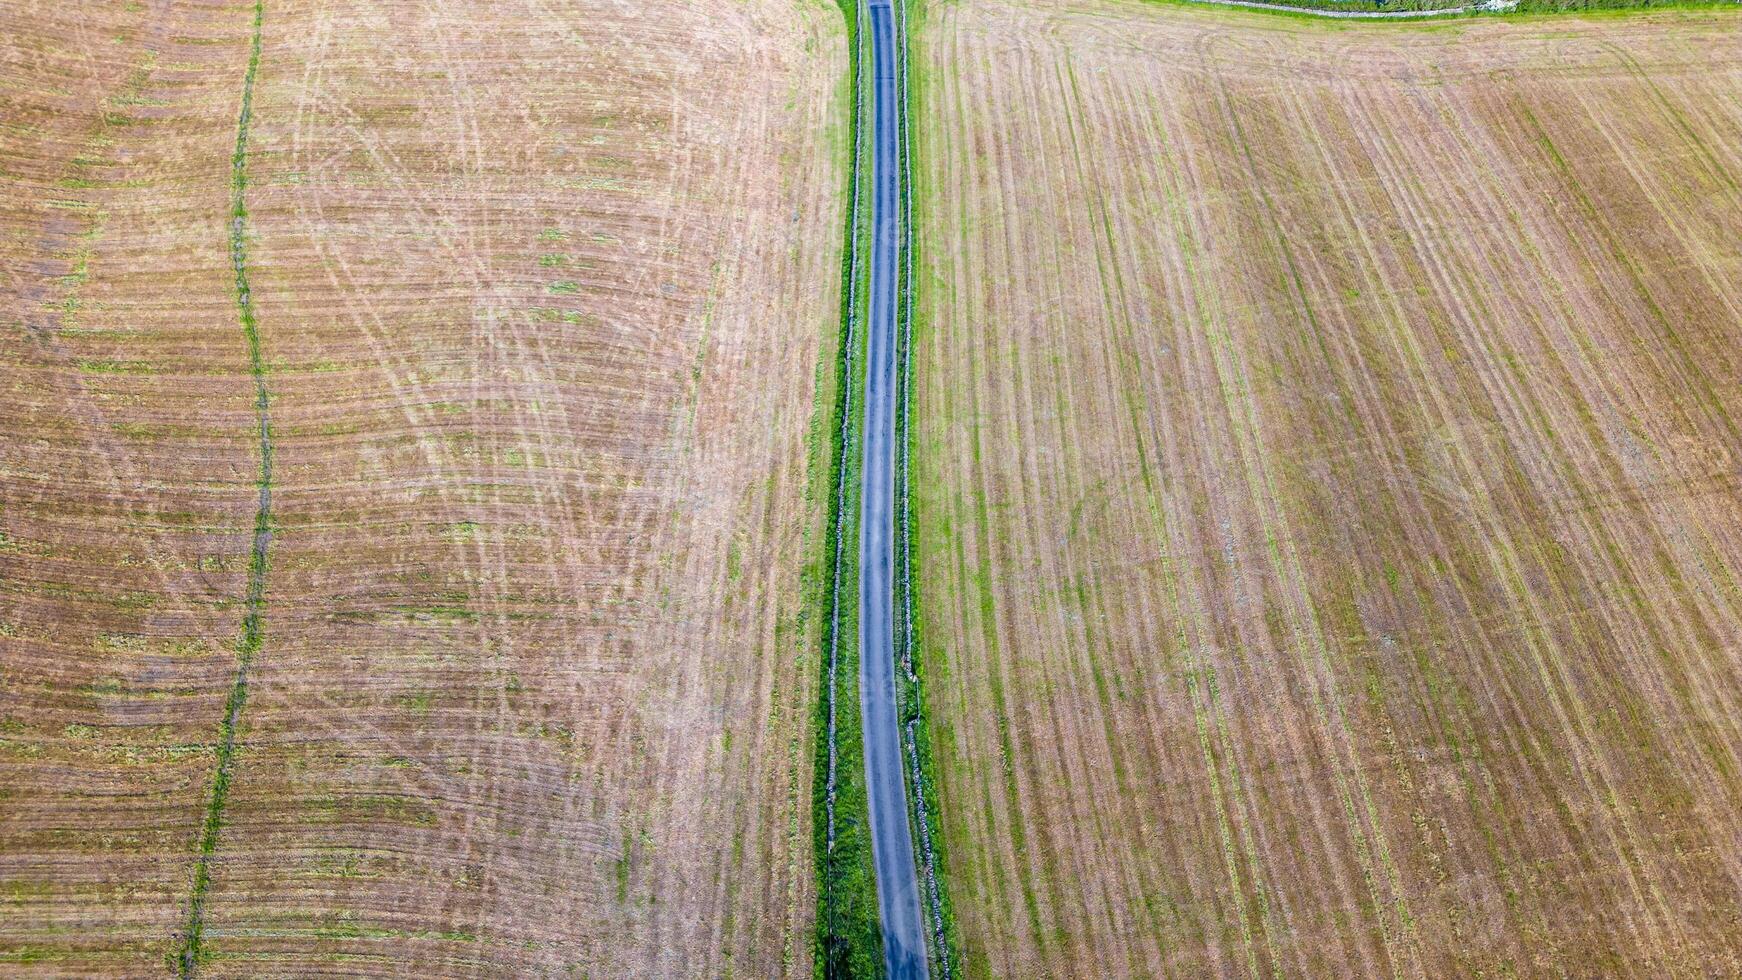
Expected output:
(191, 950)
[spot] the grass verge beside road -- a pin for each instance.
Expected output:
(849, 939)
(928, 843)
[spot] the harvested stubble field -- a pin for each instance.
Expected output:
(1328, 466)
(545, 295)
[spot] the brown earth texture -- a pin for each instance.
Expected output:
(1327, 481)
(1326, 473)
(543, 292)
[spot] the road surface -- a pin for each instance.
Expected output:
(891, 841)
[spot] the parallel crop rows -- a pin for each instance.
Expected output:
(1326, 480)
(543, 348)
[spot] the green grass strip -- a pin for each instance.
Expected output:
(192, 951)
(849, 937)
(942, 937)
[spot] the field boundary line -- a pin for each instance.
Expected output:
(849, 319)
(192, 951)
(1523, 8)
(1487, 6)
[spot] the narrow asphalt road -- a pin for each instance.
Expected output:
(891, 841)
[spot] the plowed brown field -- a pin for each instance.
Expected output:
(1328, 455)
(545, 289)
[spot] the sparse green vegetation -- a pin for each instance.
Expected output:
(540, 504)
(1294, 490)
(849, 939)
(191, 952)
